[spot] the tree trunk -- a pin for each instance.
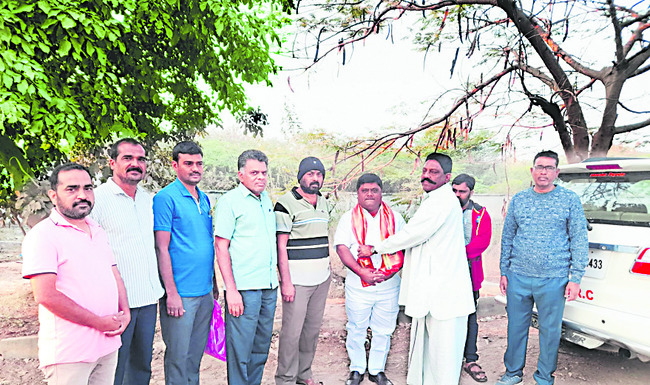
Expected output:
(604, 137)
(580, 147)
(578, 124)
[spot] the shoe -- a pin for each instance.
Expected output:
(355, 378)
(310, 381)
(379, 379)
(508, 380)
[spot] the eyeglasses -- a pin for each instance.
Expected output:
(547, 168)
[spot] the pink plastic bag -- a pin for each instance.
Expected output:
(216, 346)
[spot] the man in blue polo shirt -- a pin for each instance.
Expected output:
(185, 249)
(247, 257)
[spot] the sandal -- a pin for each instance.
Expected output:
(477, 375)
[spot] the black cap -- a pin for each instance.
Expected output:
(308, 164)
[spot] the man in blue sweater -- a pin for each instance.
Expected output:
(544, 251)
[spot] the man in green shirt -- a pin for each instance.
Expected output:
(247, 257)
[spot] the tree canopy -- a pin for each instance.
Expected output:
(75, 74)
(529, 50)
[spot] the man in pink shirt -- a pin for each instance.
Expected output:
(82, 301)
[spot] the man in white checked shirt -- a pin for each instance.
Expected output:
(124, 210)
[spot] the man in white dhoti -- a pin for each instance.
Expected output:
(436, 289)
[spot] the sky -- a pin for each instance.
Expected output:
(388, 86)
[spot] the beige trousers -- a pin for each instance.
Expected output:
(301, 322)
(100, 372)
(436, 350)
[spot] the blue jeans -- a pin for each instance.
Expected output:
(134, 358)
(248, 337)
(548, 295)
(185, 338)
(471, 354)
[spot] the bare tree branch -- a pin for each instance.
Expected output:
(382, 16)
(561, 72)
(547, 49)
(632, 127)
(562, 54)
(555, 112)
(586, 86)
(374, 147)
(637, 36)
(640, 71)
(636, 19)
(536, 72)
(459, 102)
(637, 60)
(631, 110)
(620, 56)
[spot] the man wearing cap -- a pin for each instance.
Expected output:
(371, 285)
(302, 216)
(436, 290)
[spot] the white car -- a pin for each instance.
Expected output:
(612, 311)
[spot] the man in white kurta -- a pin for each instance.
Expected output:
(436, 289)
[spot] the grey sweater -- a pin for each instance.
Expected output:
(545, 235)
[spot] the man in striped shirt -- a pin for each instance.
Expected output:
(302, 216)
(124, 210)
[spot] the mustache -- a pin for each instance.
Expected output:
(82, 201)
(427, 180)
(138, 169)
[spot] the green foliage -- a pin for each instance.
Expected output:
(401, 176)
(220, 155)
(77, 73)
(253, 120)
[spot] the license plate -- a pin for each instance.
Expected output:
(596, 267)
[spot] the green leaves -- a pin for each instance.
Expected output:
(7, 80)
(67, 22)
(99, 31)
(13, 159)
(101, 56)
(45, 6)
(64, 48)
(23, 8)
(22, 87)
(79, 73)
(5, 34)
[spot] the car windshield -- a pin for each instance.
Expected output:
(620, 198)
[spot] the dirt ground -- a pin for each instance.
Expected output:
(576, 365)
